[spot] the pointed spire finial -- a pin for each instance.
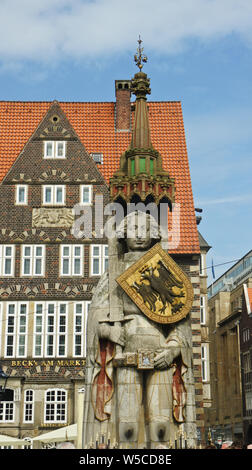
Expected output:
(139, 57)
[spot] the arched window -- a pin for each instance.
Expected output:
(56, 406)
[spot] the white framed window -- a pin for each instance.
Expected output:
(22, 194)
(55, 149)
(54, 195)
(204, 359)
(16, 329)
(62, 330)
(22, 329)
(203, 265)
(50, 329)
(80, 328)
(55, 406)
(99, 259)
(202, 310)
(50, 334)
(28, 406)
(39, 330)
(10, 330)
(33, 260)
(71, 260)
(7, 258)
(79, 321)
(7, 411)
(86, 192)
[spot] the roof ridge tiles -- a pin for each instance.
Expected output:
(82, 102)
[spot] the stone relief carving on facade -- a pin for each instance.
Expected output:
(44, 217)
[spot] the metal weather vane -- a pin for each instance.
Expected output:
(139, 57)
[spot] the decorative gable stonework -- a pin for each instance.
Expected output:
(55, 128)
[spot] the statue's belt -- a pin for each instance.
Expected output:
(142, 359)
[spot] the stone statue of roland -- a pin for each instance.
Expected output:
(130, 406)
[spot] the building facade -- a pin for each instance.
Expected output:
(229, 348)
(204, 324)
(47, 275)
(56, 162)
(246, 360)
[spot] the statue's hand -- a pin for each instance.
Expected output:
(117, 335)
(164, 359)
(114, 333)
(103, 331)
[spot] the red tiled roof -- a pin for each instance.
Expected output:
(94, 123)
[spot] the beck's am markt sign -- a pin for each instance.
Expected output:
(30, 363)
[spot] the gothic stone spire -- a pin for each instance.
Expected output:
(141, 176)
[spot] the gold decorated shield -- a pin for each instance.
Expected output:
(158, 286)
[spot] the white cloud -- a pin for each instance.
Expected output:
(53, 30)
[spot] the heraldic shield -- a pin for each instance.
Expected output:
(158, 286)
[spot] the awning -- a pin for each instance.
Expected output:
(67, 433)
(12, 441)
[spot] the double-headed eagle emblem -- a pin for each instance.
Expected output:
(158, 286)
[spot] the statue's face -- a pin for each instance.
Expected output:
(138, 234)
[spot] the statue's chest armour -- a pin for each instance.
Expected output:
(140, 333)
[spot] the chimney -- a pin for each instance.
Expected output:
(123, 106)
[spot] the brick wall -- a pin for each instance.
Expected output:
(123, 106)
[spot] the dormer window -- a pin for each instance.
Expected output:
(97, 157)
(55, 149)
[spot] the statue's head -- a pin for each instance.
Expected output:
(139, 231)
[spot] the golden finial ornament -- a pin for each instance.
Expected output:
(139, 57)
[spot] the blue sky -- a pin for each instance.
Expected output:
(199, 52)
